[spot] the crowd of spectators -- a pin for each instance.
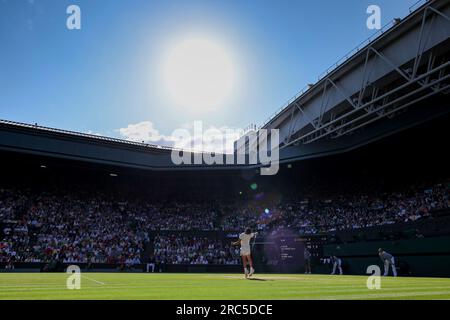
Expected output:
(362, 211)
(178, 249)
(315, 214)
(100, 227)
(70, 228)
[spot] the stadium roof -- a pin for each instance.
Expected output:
(304, 122)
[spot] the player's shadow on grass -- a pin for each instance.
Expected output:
(259, 279)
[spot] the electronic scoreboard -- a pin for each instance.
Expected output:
(289, 250)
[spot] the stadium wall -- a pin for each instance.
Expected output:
(415, 257)
(99, 150)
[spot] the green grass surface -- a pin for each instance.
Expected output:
(216, 286)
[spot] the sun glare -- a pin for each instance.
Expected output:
(199, 74)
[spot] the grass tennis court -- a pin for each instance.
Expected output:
(216, 286)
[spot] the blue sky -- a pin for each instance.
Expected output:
(107, 75)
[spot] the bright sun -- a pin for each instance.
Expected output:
(199, 74)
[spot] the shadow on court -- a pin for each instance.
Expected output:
(259, 279)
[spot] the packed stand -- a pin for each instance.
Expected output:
(101, 227)
(177, 249)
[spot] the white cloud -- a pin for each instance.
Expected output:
(143, 131)
(211, 139)
(93, 133)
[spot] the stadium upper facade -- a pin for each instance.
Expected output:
(392, 82)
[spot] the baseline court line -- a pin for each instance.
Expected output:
(96, 281)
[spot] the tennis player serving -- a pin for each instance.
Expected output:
(244, 241)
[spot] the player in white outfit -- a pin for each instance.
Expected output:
(244, 241)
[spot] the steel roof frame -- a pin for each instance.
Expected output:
(342, 124)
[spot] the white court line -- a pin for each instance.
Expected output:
(292, 285)
(107, 286)
(30, 285)
(386, 295)
(181, 286)
(96, 281)
(371, 292)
